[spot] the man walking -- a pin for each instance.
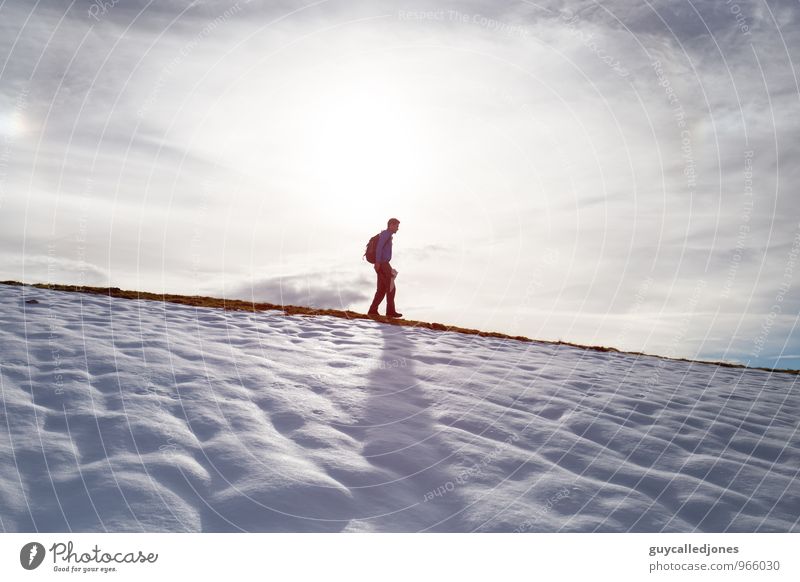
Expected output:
(383, 254)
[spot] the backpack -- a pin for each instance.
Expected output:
(372, 247)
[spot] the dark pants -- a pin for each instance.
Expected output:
(384, 271)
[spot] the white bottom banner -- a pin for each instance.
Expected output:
(353, 557)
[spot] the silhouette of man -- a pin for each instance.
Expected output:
(383, 254)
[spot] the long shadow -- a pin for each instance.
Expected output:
(410, 489)
(402, 485)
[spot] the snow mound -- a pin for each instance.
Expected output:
(128, 415)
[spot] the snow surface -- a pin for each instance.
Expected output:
(125, 415)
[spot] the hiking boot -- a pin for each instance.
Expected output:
(395, 314)
(372, 313)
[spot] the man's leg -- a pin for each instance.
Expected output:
(390, 298)
(380, 293)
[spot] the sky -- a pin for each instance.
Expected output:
(615, 173)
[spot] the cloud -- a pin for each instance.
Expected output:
(324, 290)
(43, 268)
(430, 252)
(190, 122)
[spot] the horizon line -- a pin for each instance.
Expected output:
(242, 305)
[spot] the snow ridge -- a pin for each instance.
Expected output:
(134, 415)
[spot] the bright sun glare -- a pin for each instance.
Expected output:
(365, 138)
(11, 124)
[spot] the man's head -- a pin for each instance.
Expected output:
(393, 225)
